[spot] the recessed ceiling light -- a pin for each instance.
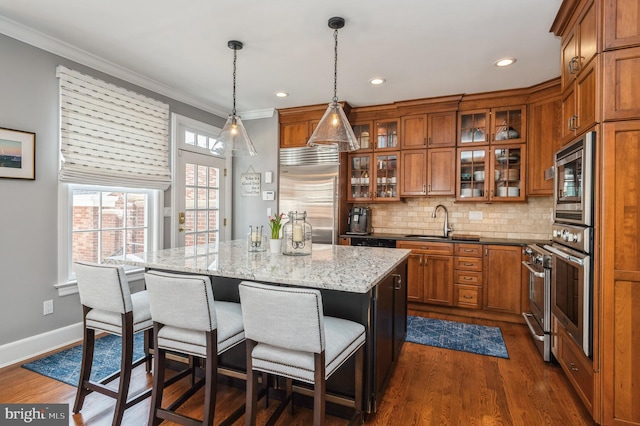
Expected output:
(377, 81)
(282, 94)
(505, 62)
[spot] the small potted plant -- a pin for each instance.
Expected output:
(275, 223)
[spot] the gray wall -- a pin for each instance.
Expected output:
(28, 218)
(253, 210)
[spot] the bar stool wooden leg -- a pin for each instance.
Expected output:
(85, 369)
(252, 388)
(158, 380)
(125, 368)
(319, 390)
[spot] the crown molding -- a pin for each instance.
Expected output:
(52, 45)
(258, 113)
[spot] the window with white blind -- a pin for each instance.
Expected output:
(114, 166)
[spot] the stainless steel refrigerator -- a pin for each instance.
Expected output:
(309, 182)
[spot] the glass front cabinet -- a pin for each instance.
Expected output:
(387, 135)
(493, 173)
(360, 177)
(363, 135)
(495, 125)
(386, 176)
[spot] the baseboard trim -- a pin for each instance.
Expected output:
(20, 350)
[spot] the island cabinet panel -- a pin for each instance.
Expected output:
(503, 279)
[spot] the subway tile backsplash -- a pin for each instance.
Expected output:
(529, 220)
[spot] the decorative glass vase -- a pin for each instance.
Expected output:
(256, 239)
(296, 235)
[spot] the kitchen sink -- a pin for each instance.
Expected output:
(426, 236)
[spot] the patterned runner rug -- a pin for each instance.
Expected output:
(65, 365)
(477, 339)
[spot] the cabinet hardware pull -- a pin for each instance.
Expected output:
(425, 141)
(467, 297)
(468, 264)
(468, 278)
(573, 366)
(429, 187)
(424, 189)
(468, 250)
(398, 282)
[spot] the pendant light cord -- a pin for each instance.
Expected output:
(335, 67)
(235, 55)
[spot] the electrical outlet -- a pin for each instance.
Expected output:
(268, 211)
(47, 307)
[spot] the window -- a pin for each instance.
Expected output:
(102, 222)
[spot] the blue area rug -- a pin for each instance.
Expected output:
(477, 339)
(65, 365)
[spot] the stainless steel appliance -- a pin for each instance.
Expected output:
(573, 191)
(538, 318)
(359, 221)
(572, 241)
(572, 282)
(309, 182)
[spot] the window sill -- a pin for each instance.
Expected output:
(71, 287)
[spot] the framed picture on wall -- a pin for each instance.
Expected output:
(17, 154)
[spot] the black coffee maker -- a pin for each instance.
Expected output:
(360, 221)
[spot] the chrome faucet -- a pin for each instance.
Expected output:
(446, 219)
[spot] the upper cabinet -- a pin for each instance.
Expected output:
(579, 44)
(387, 135)
(481, 127)
(621, 24)
(297, 124)
(435, 130)
(363, 131)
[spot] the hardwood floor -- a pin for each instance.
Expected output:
(430, 386)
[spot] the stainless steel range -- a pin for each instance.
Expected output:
(538, 262)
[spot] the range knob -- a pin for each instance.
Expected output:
(556, 233)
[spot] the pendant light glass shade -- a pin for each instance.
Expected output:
(234, 140)
(334, 131)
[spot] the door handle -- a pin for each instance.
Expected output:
(182, 229)
(181, 218)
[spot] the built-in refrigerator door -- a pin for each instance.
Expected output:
(314, 189)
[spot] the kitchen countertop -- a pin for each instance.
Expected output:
(452, 239)
(332, 267)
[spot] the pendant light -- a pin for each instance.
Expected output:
(233, 139)
(334, 130)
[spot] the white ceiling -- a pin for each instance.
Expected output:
(423, 48)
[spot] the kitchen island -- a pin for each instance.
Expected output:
(363, 284)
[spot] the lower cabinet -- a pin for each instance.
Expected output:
(430, 272)
(467, 276)
(502, 279)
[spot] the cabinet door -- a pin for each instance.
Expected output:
(509, 125)
(473, 127)
(507, 174)
(568, 120)
(415, 278)
(543, 142)
(586, 103)
(502, 283)
(620, 274)
(621, 24)
(294, 134)
(413, 181)
(441, 171)
(621, 90)
(441, 129)
(363, 134)
(386, 183)
(588, 35)
(438, 283)
(386, 135)
(414, 131)
(569, 57)
(473, 170)
(360, 177)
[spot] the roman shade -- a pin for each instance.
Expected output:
(110, 135)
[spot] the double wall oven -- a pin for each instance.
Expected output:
(572, 241)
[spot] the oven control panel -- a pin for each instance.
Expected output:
(576, 237)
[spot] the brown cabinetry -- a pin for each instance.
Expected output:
(467, 276)
(544, 138)
(360, 177)
(433, 130)
(579, 106)
(297, 124)
(481, 127)
(502, 283)
(621, 24)
(386, 135)
(621, 89)
(579, 43)
(441, 177)
(386, 168)
(413, 178)
(430, 272)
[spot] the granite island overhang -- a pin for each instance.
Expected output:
(363, 284)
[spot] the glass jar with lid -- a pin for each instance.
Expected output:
(296, 235)
(256, 239)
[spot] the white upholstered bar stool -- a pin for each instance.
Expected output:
(187, 320)
(108, 306)
(288, 335)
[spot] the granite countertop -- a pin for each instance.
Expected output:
(453, 238)
(332, 267)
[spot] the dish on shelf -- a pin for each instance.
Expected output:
(510, 174)
(471, 156)
(505, 134)
(512, 158)
(468, 192)
(472, 135)
(478, 176)
(508, 192)
(465, 176)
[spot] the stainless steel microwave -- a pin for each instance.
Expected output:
(574, 187)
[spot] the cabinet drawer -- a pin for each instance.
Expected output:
(469, 250)
(427, 247)
(468, 264)
(467, 296)
(467, 277)
(577, 368)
